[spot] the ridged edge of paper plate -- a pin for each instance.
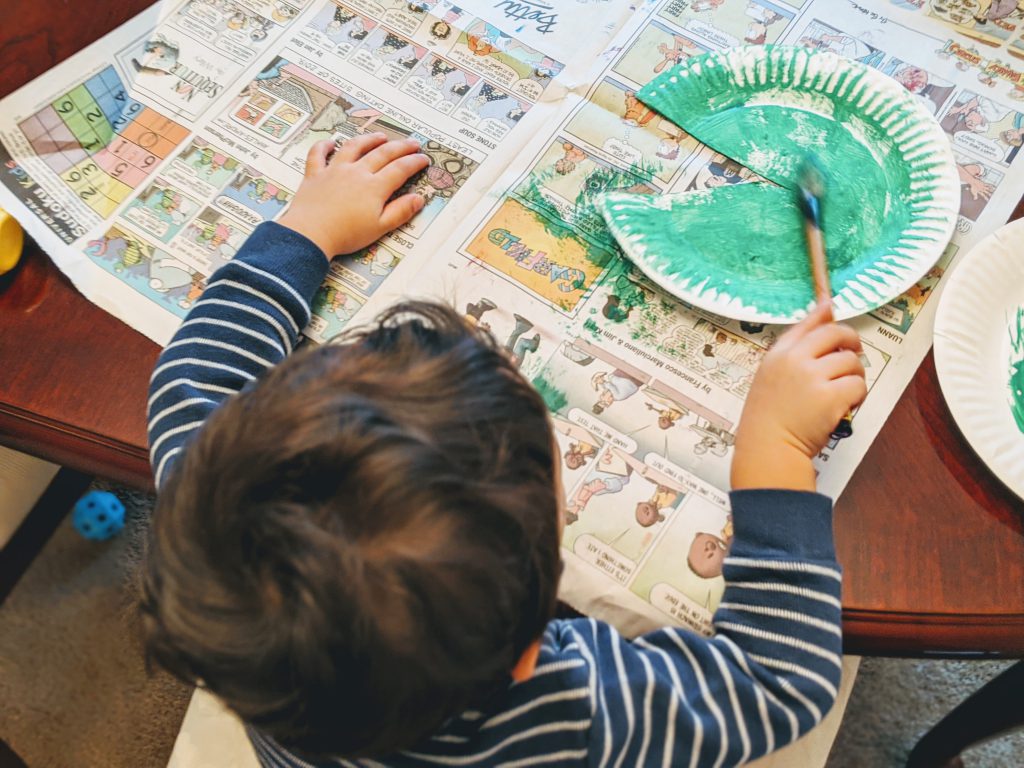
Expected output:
(935, 184)
(966, 318)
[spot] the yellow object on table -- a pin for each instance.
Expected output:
(11, 241)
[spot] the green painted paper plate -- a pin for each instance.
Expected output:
(979, 350)
(892, 189)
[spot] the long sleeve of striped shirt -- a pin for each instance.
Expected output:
(668, 698)
(247, 320)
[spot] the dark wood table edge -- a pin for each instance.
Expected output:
(867, 633)
(933, 635)
(77, 449)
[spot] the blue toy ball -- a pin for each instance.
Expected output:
(99, 515)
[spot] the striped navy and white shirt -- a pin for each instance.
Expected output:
(668, 698)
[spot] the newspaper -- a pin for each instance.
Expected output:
(144, 162)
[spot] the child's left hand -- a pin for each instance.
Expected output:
(342, 204)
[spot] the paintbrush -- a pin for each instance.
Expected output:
(810, 193)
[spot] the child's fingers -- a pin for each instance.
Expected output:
(318, 156)
(851, 390)
(397, 172)
(836, 365)
(400, 210)
(387, 153)
(828, 338)
(358, 146)
(820, 314)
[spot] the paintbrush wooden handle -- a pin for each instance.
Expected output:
(823, 293)
(819, 264)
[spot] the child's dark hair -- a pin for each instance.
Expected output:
(362, 544)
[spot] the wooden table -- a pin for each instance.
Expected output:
(931, 542)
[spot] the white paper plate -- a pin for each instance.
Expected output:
(974, 351)
(894, 183)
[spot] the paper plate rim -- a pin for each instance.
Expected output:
(967, 391)
(845, 304)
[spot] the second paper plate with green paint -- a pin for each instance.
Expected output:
(891, 199)
(979, 351)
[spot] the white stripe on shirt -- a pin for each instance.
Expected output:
(295, 294)
(785, 565)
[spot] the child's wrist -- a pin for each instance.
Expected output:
(311, 233)
(777, 464)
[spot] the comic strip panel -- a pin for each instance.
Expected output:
(540, 254)
(993, 21)
(177, 70)
(229, 27)
(728, 23)
(203, 164)
(900, 313)
(633, 307)
(160, 277)
(982, 127)
(978, 182)
(655, 50)
(578, 448)
(484, 48)
(295, 109)
(643, 413)
(212, 239)
(509, 321)
(161, 210)
(491, 109)
(565, 182)
(619, 124)
(208, 173)
(863, 48)
(440, 84)
(334, 305)
(931, 91)
(614, 515)
(388, 56)
(338, 29)
(404, 16)
(350, 282)
(367, 269)
(683, 576)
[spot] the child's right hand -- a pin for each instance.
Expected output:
(806, 383)
(342, 204)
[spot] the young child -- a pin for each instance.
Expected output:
(356, 547)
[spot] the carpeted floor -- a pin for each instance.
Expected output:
(74, 692)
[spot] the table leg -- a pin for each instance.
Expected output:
(37, 527)
(9, 758)
(995, 708)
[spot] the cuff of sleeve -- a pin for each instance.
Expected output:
(783, 524)
(290, 256)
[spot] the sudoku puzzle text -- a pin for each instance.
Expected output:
(100, 141)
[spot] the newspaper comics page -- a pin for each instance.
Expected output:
(141, 171)
(645, 390)
(144, 162)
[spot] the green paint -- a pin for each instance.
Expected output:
(699, 224)
(767, 108)
(1016, 382)
(585, 225)
(554, 398)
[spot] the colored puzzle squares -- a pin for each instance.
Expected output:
(101, 142)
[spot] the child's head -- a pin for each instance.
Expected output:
(365, 542)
